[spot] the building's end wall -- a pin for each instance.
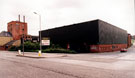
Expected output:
(129, 41)
(109, 34)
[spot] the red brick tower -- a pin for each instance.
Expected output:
(17, 28)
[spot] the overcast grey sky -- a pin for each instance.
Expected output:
(57, 13)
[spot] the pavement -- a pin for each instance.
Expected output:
(42, 55)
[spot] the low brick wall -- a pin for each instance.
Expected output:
(107, 48)
(117, 47)
(2, 48)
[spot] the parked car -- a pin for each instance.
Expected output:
(123, 50)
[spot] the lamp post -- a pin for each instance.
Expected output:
(23, 42)
(40, 30)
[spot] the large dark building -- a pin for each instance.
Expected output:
(90, 36)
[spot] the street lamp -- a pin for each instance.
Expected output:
(23, 41)
(40, 30)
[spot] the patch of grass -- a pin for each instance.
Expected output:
(58, 50)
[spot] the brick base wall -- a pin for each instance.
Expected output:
(107, 48)
(2, 48)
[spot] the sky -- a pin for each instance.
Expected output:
(57, 13)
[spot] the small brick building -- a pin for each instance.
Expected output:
(17, 29)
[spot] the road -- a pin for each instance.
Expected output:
(89, 65)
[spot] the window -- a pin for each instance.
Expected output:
(23, 29)
(23, 26)
(17, 24)
(17, 27)
(11, 29)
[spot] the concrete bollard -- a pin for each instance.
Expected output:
(39, 53)
(19, 51)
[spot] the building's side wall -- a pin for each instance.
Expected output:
(4, 40)
(76, 35)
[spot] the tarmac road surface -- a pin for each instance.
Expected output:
(90, 65)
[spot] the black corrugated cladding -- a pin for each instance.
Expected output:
(86, 32)
(109, 34)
